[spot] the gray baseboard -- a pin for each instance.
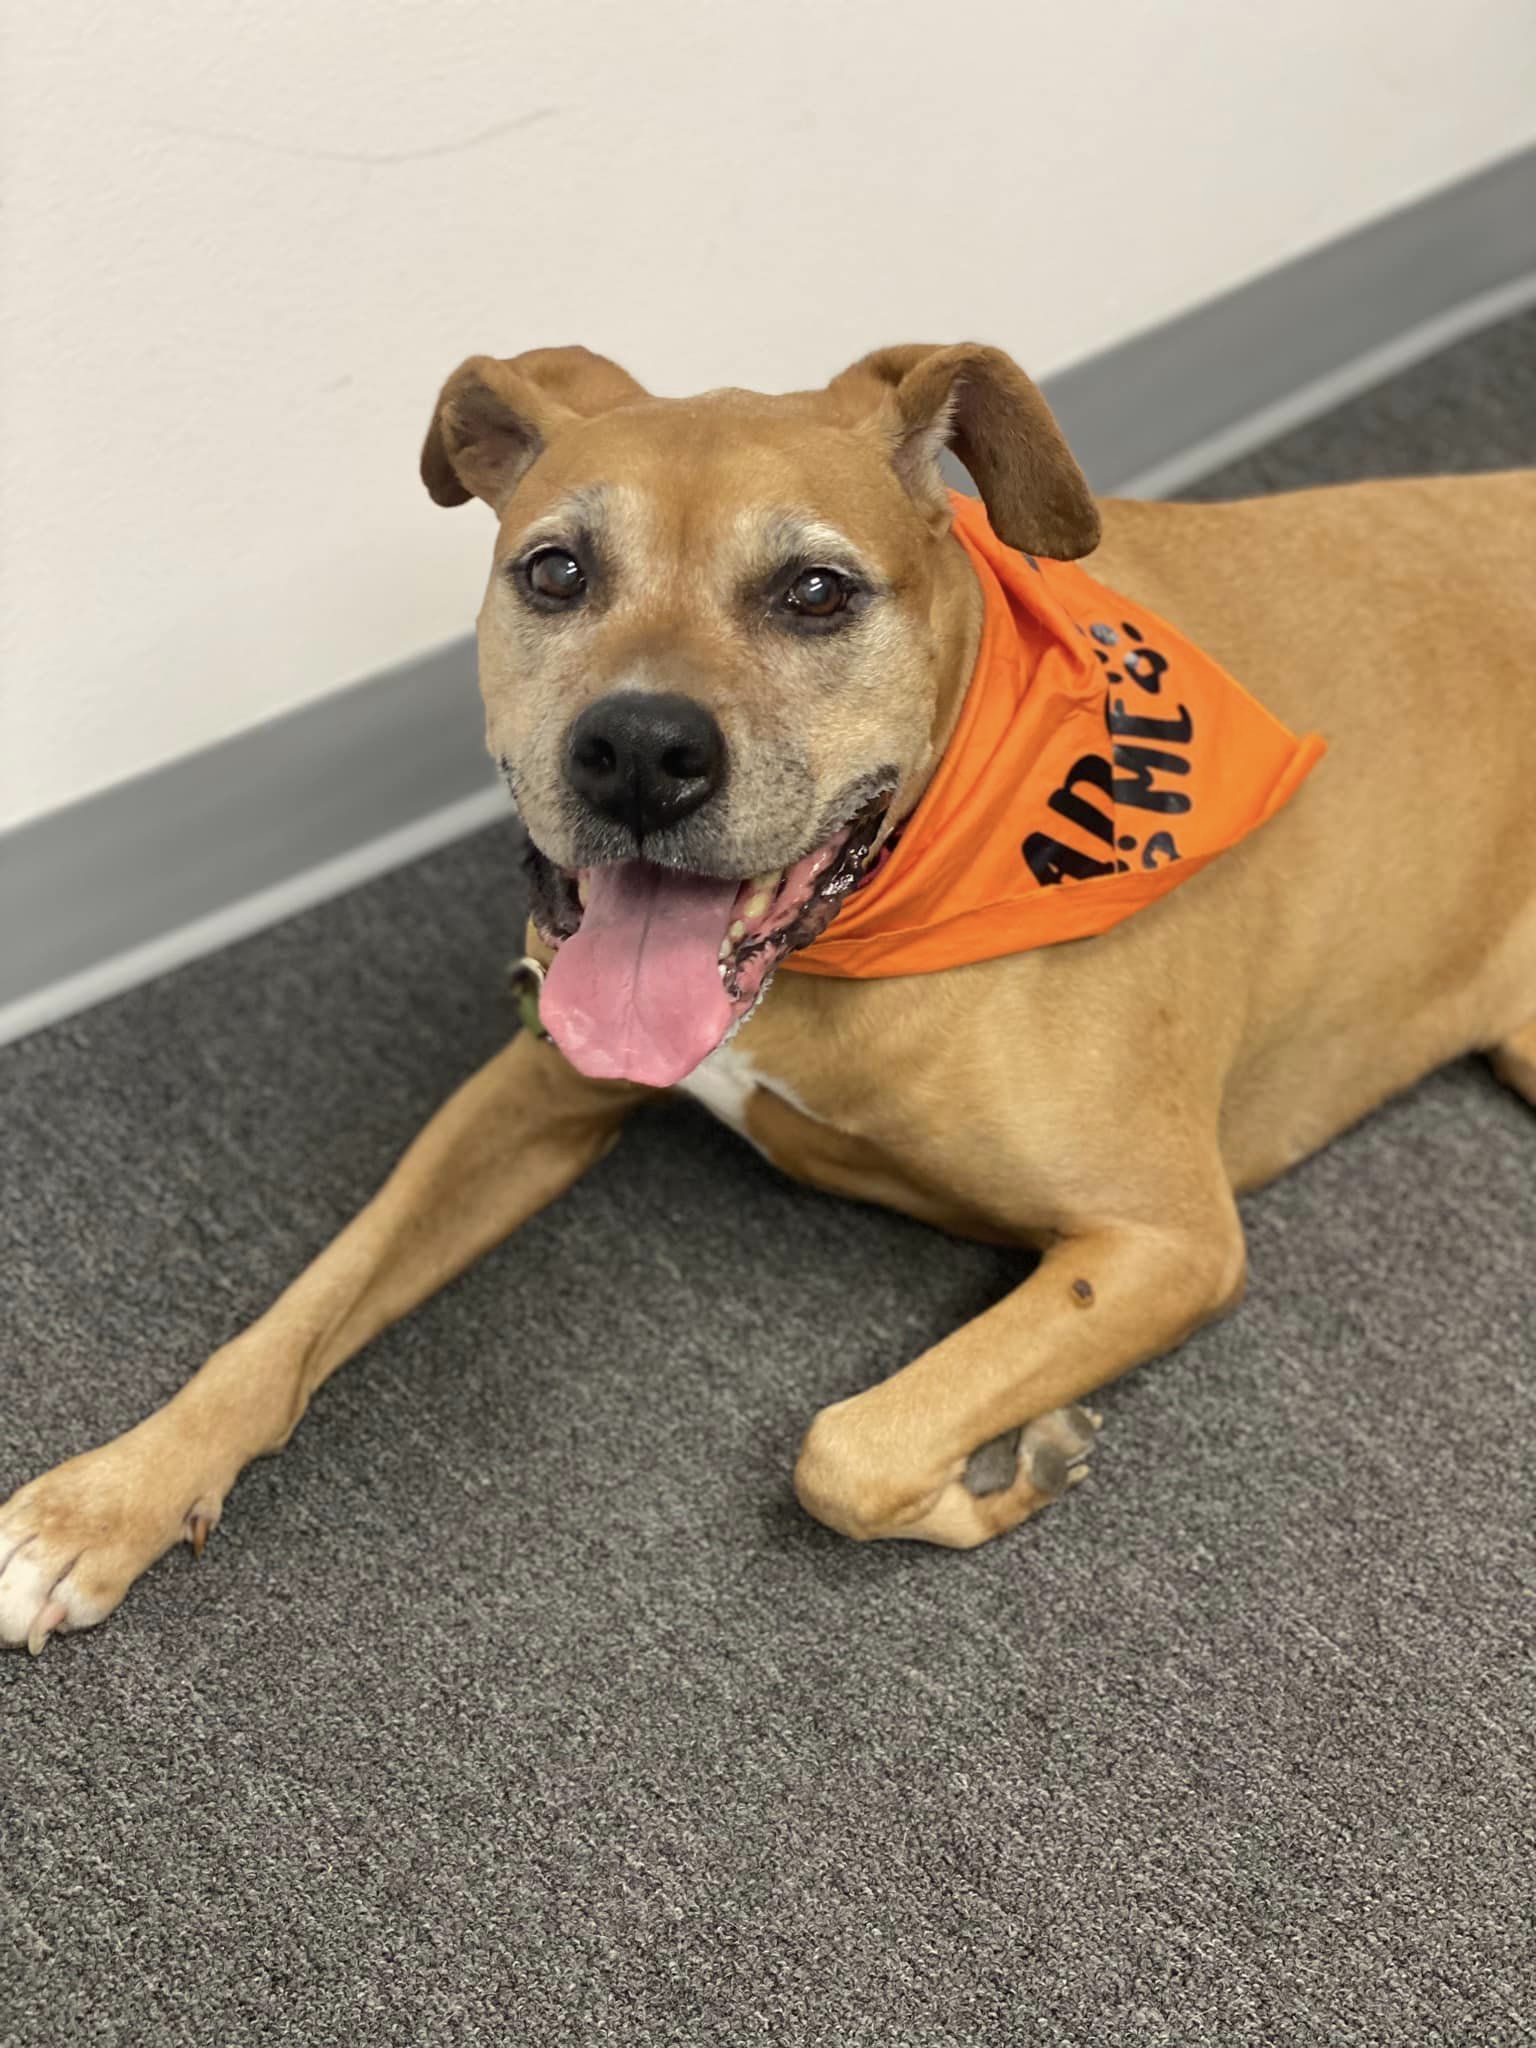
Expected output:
(109, 891)
(120, 886)
(1153, 413)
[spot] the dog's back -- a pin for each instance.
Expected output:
(1386, 921)
(1424, 586)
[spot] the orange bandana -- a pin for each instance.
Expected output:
(1099, 760)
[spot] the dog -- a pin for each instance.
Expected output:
(724, 650)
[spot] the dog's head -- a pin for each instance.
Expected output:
(721, 648)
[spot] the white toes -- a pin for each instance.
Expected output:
(74, 1540)
(27, 1586)
(39, 1596)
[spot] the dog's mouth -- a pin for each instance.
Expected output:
(654, 967)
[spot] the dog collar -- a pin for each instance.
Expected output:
(1100, 759)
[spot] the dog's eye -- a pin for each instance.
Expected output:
(555, 576)
(818, 593)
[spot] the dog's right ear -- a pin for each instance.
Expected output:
(977, 401)
(495, 415)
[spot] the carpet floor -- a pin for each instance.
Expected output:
(518, 1701)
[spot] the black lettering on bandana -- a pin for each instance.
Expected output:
(1177, 731)
(1146, 668)
(1051, 861)
(1137, 781)
(1161, 843)
(1136, 786)
(1066, 803)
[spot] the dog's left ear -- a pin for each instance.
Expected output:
(977, 401)
(496, 414)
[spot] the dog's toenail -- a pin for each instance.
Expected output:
(1082, 1293)
(48, 1619)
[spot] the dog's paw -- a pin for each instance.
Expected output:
(1050, 1454)
(74, 1541)
(847, 1477)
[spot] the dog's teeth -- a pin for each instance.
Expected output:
(761, 890)
(725, 949)
(581, 891)
(737, 930)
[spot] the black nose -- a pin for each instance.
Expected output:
(645, 760)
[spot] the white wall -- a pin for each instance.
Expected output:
(243, 243)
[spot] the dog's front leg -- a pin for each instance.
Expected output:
(514, 1137)
(891, 1461)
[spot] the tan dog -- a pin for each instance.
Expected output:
(776, 578)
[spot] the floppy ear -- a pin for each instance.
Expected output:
(495, 414)
(977, 401)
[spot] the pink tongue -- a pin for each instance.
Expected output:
(636, 994)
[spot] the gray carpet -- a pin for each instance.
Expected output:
(519, 1702)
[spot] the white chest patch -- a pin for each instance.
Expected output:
(725, 1084)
